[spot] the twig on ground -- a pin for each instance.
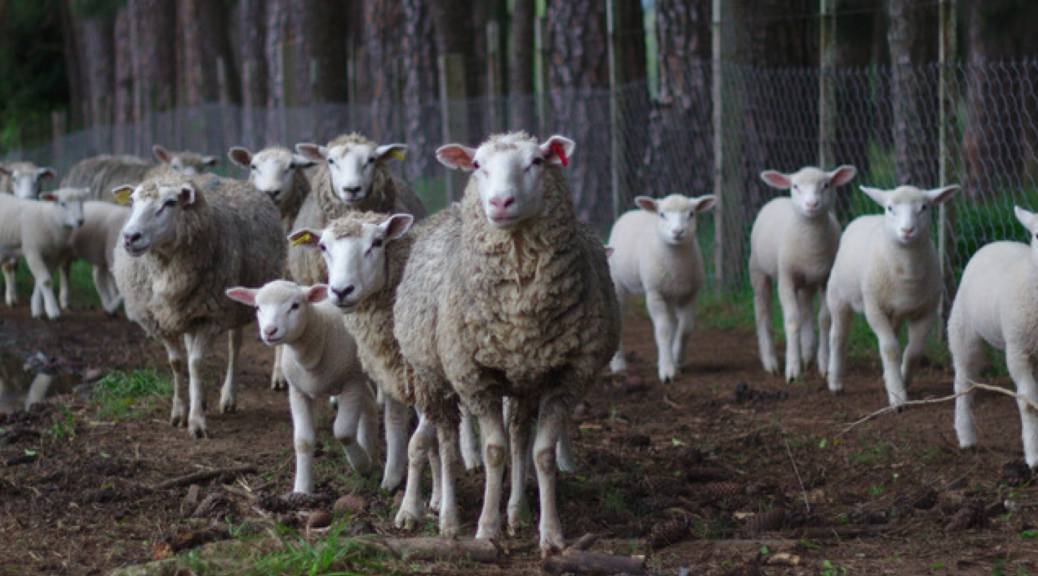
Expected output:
(807, 502)
(202, 476)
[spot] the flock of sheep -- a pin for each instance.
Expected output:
(501, 309)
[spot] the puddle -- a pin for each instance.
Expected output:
(27, 381)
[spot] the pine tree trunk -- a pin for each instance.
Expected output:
(153, 41)
(123, 94)
(383, 24)
(913, 45)
(250, 37)
(520, 67)
(423, 123)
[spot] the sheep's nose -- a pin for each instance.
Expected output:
(130, 238)
(812, 204)
(269, 331)
(502, 203)
(79, 222)
(351, 189)
(342, 294)
(907, 231)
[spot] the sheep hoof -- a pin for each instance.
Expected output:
(278, 385)
(406, 520)
(837, 392)
(551, 545)
(228, 408)
(488, 533)
(199, 433)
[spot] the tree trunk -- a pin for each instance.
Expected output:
(75, 69)
(250, 38)
(520, 66)
(323, 22)
(383, 24)
(856, 103)
(153, 42)
(913, 44)
(423, 127)
(123, 94)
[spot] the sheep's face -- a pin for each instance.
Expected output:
(282, 308)
(70, 205)
(352, 166)
(25, 179)
(153, 215)
(810, 189)
(186, 163)
(906, 210)
(1030, 221)
(509, 173)
(271, 171)
(675, 216)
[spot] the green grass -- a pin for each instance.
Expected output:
(135, 394)
(81, 285)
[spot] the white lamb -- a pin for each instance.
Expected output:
(39, 231)
(666, 266)
(319, 358)
(997, 303)
(95, 242)
(793, 243)
(887, 268)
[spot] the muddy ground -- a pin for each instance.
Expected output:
(726, 471)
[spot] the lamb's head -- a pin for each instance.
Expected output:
(186, 163)
(282, 308)
(70, 204)
(1030, 221)
(509, 172)
(271, 170)
(676, 224)
(154, 209)
(354, 248)
(25, 178)
(810, 188)
(906, 216)
(352, 161)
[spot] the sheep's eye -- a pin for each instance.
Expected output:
(475, 165)
(825, 185)
(175, 167)
(331, 160)
(377, 243)
(662, 216)
(62, 204)
(295, 305)
(369, 160)
(538, 161)
(890, 209)
(170, 202)
(323, 248)
(253, 166)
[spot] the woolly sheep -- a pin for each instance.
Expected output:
(40, 231)
(666, 266)
(507, 294)
(186, 241)
(102, 174)
(887, 268)
(95, 242)
(793, 243)
(319, 358)
(352, 175)
(23, 178)
(997, 303)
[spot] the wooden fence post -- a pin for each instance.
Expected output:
(455, 123)
(946, 215)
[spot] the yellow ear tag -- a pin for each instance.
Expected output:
(303, 239)
(122, 197)
(398, 155)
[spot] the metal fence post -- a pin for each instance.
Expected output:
(717, 96)
(946, 211)
(455, 124)
(827, 85)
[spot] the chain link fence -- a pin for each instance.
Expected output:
(887, 124)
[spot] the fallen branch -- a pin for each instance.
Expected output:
(593, 563)
(202, 476)
(583, 543)
(438, 549)
(845, 531)
(807, 501)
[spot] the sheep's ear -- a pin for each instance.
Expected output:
(704, 203)
(246, 296)
(609, 251)
(877, 195)
(209, 161)
(304, 237)
(1025, 217)
(396, 226)
(316, 293)
(558, 150)
(46, 173)
(300, 161)
(943, 194)
(646, 203)
(776, 179)
(387, 151)
(49, 197)
(240, 156)
(187, 194)
(457, 157)
(122, 195)
(161, 154)
(314, 152)
(842, 175)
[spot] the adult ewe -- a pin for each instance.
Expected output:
(105, 173)
(187, 240)
(507, 295)
(23, 178)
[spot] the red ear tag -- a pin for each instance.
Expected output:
(557, 148)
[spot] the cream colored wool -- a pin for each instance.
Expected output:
(104, 173)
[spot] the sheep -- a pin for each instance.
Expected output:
(320, 358)
(40, 231)
(186, 241)
(666, 266)
(102, 174)
(886, 267)
(352, 175)
(997, 303)
(95, 242)
(23, 178)
(793, 242)
(506, 294)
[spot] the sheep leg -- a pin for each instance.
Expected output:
(227, 400)
(686, 315)
(762, 313)
(889, 352)
(663, 321)
(968, 357)
(367, 430)
(10, 268)
(347, 420)
(196, 345)
(436, 476)
(447, 434)
(178, 416)
(918, 330)
(411, 507)
(106, 289)
(304, 438)
(824, 325)
(519, 429)
(64, 270)
(397, 417)
(791, 319)
(44, 288)
(552, 419)
(469, 441)
(808, 343)
(841, 322)
(564, 452)
(495, 451)
(619, 363)
(1022, 370)
(277, 377)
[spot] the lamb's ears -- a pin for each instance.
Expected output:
(316, 293)
(49, 197)
(877, 195)
(161, 154)
(646, 203)
(609, 251)
(244, 295)
(300, 161)
(704, 203)
(304, 237)
(776, 179)
(209, 161)
(943, 194)
(314, 152)
(557, 150)
(46, 173)
(396, 226)
(842, 175)
(387, 151)
(457, 157)
(1026, 217)
(187, 194)
(240, 156)
(122, 195)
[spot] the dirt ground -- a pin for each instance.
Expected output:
(726, 471)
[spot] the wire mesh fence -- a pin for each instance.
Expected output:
(887, 124)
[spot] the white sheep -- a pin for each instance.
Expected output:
(95, 242)
(186, 241)
(23, 178)
(793, 244)
(887, 268)
(997, 303)
(40, 231)
(105, 173)
(655, 253)
(319, 358)
(507, 294)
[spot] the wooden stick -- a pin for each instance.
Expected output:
(437, 549)
(593, 563)
(583, 543)
(202, 476)
(800, 480)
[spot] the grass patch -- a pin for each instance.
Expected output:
(123, 395)
(81, 285)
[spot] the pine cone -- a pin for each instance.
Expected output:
(967, 517)
(766, 521)
(670, 532)
(720, 491)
